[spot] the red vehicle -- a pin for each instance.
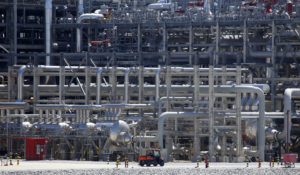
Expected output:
(152, 157)
(289, 160)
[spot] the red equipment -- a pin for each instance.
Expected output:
(191, 4)
(268, 8)
(100, 43)
(289, 7)
(273, 2)
(200, 4)
(289, 159)
(36, 148)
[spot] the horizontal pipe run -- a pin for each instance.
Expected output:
(91, 107)
(13, 105)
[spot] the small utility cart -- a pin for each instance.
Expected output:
(152, 157)
(289, 160)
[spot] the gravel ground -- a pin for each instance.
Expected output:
(91, 168)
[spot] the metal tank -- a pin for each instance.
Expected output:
(118, 131)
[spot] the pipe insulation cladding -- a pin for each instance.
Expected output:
(224, 88)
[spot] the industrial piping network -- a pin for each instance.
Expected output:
(223, 88)
(100, 70)
(249, 88)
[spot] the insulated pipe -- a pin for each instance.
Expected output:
(268, 54)
(78, 30)
(289, 94)
(20, 82)
(225, 88)
(126, 84)
(12, 105)
(167, 115)
(145, 138)
(157, 83)
(162, 99)
(98, 98)
(92, 107)
(147, 69)
(80, 8)
(48, 22)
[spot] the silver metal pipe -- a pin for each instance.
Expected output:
(20, 82)
(48, 22)
(98, 98)
(92, 107)
(126, 83)
(165, 115)
(12, 105)
(162, 99)
(142, 138)
(157, 83)
(289, 94)
(225, 88)
(268, 54)
(80, 8)
(78, 30)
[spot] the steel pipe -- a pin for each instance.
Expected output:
(48, 22)
(98, 98)
(226, 88)
(91, 107)
(80, 8)
(157, 83)
(12, 105)
(289, 94)
(126, 84)
(78, 30)
(20, 82)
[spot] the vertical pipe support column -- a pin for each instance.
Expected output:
(15, 30)
(113, 82)
(273, 60)
(98, 98)
(87, 118)
(196, 88)
(141, 86)
(77, 116)
(126, 83)
(165, 42)
(53, 116)
(36, 82)
(60, 116)
(238, 114)
(139, 41)
(8, 119)
(47, 116)
(245, 41)
(217, 42)
(191, 44)
(80, 9)
(61, 81)
(211, 111)
(20, 82)
(87, 79)
(10, 83)
(196, 140)
(41, 116)
(48, 22)
(157, 84)
(2, 116)
(168, 83)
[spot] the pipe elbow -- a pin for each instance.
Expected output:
(22, 70)
(89, 16)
